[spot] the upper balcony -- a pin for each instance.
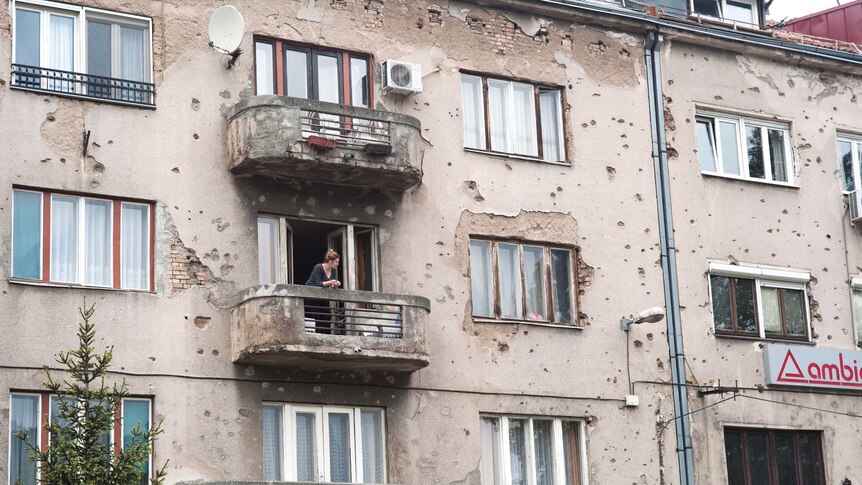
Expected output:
(304, 139)
(320, 328)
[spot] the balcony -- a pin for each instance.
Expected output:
(77, 85)
(296, 326)
(322, 142)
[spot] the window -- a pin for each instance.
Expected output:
(83, 52)
(312, 73)
(534, 451)
(772, 457)
(763, 303)
(30, 412)
(856, 300)
(512, 117)
(323, 444)
(289, 248)
(741, 11)
(524, 282)
(81, 240)
(743, 148)
(849, 159)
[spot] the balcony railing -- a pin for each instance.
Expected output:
(80, 85)
(347, 131)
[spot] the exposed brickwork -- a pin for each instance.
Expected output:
(187, 270)
(338, 4)
(435, 15)
(585, 280)
(373, 16)
(498, 32)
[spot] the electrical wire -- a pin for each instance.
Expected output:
(811, 408)
(666, 423)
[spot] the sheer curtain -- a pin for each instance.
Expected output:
(498, 107)
(97, 242)
(534, 280)
(518, 451)
(339, 447)
(524, 120)
(552, 143)
(306, 448)
(480, 276)
(132, 61)
(490, 462)
(264, 73)
(267, 250)
(134, 246)
(62, 50)
(561, 280)
(272, 445)
(473, 111)
(64, 239)
(543, 450)
(24, 417)
(510, 280)
(372, 446)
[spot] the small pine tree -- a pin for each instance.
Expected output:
(79, 451)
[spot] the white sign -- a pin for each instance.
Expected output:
(813, 367)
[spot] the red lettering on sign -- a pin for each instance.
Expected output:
(785, 376)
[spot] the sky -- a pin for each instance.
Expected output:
(799, 8)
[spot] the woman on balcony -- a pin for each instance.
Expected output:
(324, 275)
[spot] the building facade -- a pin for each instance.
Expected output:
(503, 181)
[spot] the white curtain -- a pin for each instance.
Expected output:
(543, 451)
(134, 246)
(490, 465)
(771, 309)
(372, 446)
(552, 143)
(339, 447)
(510, 280)
(97, 242)
(473, 111)
(267, 250)
(306, 448)
(272, 445)
(132, 62)
(24, 417)
(498, 107)
(480, 276)
(518, 451)
(524, 122)
(534, 280)
(62, 50)
(264, 71)
(64, 239)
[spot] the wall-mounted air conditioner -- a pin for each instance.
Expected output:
(402, 77)
(855, 201)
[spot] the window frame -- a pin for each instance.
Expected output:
(762, 278)
(856, 295)
(115, 247)
(547, 283)
(538, 89)
(741, 123)
(855, 142)
(770, 454)
(722, 5)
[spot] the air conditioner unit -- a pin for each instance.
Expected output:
(402, 77)
(855, 201)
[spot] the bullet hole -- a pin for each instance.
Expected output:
(717, 97)
(175, 170)
(612, 172)
(502, 346)
(638, 344)
(244, 413)
(196, 104)
(649, 337)
(196, 136)
(659, 364)
(202, 322)
(152, 359)
(621, 223)
(45, 160)
(221, 224)
(200, 351)
(207, 413)
(50, 117)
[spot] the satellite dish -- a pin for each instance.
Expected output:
(226, 30)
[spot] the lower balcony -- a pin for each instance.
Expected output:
(308, 327)
(303, 139)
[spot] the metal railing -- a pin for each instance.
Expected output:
(342, 318)
(83, 85)
(347, 131)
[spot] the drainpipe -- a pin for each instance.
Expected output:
(652, 52)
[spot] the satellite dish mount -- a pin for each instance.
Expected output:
(226, 30)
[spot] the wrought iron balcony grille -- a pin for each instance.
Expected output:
(83, 85)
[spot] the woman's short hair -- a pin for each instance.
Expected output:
(331, 255)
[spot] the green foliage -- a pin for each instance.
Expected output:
(79, 451)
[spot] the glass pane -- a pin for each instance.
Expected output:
(524, 120)
(473, 111)
(56, 411)
(480, 278)
(561, 282)
(552, 139)
(306, 447)
(135, 246)
(518, 451)
(27, 37)
(98, 48)
(859, 158)
(739, 12)
(27, 235)
(268, 252)
(264, 72)
(61, 49)
(729, 147)
(105, 435)
(778, 155)
(845, 160)
(534, 280)
(64, 238)
(498, 111)
(136, 413)
(758, 465)
(722, 315)
(811, 458)
(785, 459)
(24, 417)
(272, 441)
(296, 73)
(339, 447)
(327, 77)
(510, 280)
(857, 313)
(771, 310)
(706, 146)
(97, 242)
(571, 452)
(754, 144)
(707, 7)
(746, 311)
(359, 85)
(372, 446)
(543, 450)
(490, 462)
(734, 455)
(132, 60)
(794, 312)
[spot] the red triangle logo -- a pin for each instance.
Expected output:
(790, 375)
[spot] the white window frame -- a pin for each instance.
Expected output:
(41, 233)
(11, 436)
(505, 473)
(148, 239)
(741, 124)
(321, 413)
(856, 292)
(763, 278)
(855, 142)
(722, 4)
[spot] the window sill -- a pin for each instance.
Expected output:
(526, 322)
(765, 339)
(83, 97)
(749, 179)
(19, 281)
(564, 163)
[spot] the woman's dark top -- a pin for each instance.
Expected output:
(318, 275)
